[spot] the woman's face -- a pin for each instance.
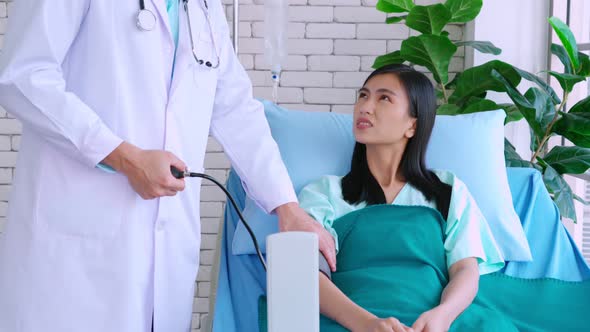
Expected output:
(381, 113)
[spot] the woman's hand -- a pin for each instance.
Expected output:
(386, 325)
(456, 297)
(434, 320)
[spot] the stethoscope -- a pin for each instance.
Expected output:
(146, 21)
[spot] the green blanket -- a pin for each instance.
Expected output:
(392, 263)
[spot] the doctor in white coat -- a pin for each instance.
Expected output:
(87, 250)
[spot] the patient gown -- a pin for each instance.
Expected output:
(467, 233)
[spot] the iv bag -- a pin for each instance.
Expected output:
(275, 39)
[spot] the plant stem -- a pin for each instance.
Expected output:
(444, 91)
(549, 127)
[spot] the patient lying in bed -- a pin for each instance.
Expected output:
(412, 243)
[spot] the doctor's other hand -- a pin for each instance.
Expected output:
(386, 325)
(294, 218)
(148, 171)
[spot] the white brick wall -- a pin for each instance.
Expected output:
(335, 63)
(331, 30)
(332, 46)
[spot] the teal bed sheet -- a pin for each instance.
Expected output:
(392, 263)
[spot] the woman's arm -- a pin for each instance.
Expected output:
(456, 297)
(337, 306)
(462, 287)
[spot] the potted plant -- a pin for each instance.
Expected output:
(541, 107)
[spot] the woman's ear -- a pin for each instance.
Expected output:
(412, 130)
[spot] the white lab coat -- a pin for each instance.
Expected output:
(81, 251)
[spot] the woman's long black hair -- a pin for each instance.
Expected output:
(359, 185)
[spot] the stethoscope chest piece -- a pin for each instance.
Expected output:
(146, 20)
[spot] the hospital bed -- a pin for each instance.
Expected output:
(241, 279)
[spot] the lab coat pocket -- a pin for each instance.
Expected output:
(77, 200)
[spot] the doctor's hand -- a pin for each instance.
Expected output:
(294, 218)
(148, 171)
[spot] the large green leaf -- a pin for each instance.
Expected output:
(569, 159)
(463, 10)
(541, 83)
(567, 81)
(567, 40)
(510, 88)
(535, 140)
(428, 19)
(583, 106)
(395, 6)
(537, 132)
(544, 109)
(575, 127)
(432, 52)
(453, 83)
(482, 46)
(448, 109)
(477, 80)
(387, 59)
(510, 150)
(513, 159)
(395, 19)
(512, 113)
(561, 54)
(561, 192)
(584, 69)
(579, 140)
(542, 163)
(535, 106)
(475, 105)
(526, 104)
